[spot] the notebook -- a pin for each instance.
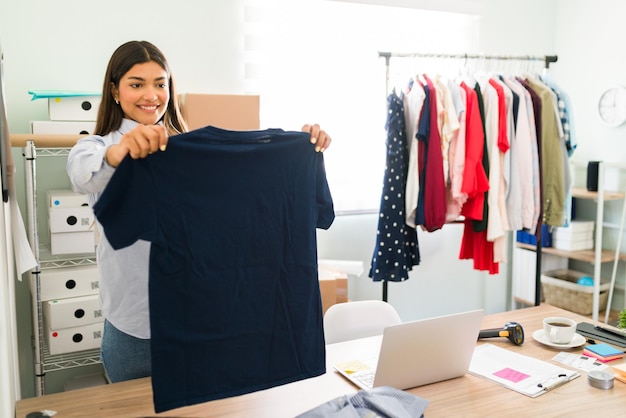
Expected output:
(419, 352)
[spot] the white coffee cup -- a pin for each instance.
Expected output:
(559, 330)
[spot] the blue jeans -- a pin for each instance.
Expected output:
(124, 357)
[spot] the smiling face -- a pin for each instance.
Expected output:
(143, 93)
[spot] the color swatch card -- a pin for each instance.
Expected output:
(527, 375)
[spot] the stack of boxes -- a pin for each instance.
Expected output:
(71, 221)
(577, 236)
(70, 113)
(71, 308)
(70, 295)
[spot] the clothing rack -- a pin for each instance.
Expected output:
(547, 59)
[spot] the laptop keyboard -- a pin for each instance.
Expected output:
(365, 377)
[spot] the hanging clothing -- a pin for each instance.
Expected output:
(552, 164)
(396, 250)
(235, 304)
(497, 143)
(524, 156)
(494, 155)
(456, 155)
(474, 243)
(565, 114)
(447, 123)
(475, 182)
(435, 188)
(536, 116)
(564, 109)
(423, 133)
(412, 107)
(481, 224)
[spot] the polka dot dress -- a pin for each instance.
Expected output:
(396, 250)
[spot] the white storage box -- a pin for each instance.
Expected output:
(567, 235)
(73, 243)
(72, 312)
(577, 236)
(569, 245)
(68, 340)
(576, 230)
(71, 219)
(52, 127)
(73, 108)
(66, 198)
(68, 282)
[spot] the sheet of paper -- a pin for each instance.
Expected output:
(353, 366)
(524, 374)
(578, 361)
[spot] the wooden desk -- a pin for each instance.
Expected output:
(467, 396)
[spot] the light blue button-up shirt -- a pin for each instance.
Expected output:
(124, 272)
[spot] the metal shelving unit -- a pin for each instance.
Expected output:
(596, 256)
(44, 362)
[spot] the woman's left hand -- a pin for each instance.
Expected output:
(319, 137)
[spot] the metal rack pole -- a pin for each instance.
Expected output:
(547, 59)
(30, 161)
(597, 266)
(618, 248)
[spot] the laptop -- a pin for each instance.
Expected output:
(419, 352)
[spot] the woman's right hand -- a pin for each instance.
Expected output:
(139, 143)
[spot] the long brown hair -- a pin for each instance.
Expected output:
(123, 59)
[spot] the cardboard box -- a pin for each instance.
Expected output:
(69, 282)
(333, 289)
(233, 112)
(341, 289)
(333, 278)
(71, 219)
(51, 127)
(66, 198)
(72, 312)
(68, 340)
(83, 108)
(72, 242)
(328, 291)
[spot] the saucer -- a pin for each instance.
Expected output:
(577, 341)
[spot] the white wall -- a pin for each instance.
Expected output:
(66, 44)
(592, 59)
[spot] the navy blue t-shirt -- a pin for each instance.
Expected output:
(235, 304)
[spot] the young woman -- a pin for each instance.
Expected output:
(139, 111)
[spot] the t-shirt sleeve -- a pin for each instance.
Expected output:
(127, 208)
(325, 208)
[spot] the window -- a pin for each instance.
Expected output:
(315, 61)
